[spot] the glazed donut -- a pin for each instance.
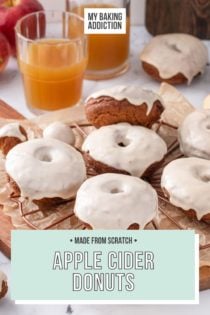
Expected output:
(125, 148)
(116, 201)
(59, 131)
(186, 182)
(3, 285)
(174, 58)
(45, 168)
(194, 134)
(10, 135)
(123, 104)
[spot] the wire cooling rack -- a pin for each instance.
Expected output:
(82, 130)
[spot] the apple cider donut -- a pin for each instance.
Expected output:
(186, 182)
(123, 104)
(123, 148)
(174, 58)
(10, 135)
(116, 201)
(45, 168)
(194, 134)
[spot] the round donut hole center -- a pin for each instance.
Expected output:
(205, 178)
(174, 47)
(201, 175)
(44, 155)
(46, 158)
(208, 127)
(123, 142)
(116, 191)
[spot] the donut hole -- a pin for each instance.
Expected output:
(202, 175)
(116, 191)
(205, 178)
(123, 142)
(174, 47)
(208, 127)
(44, 155)
(114, 187)
(46, 158)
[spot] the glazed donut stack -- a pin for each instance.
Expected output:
(45, 171)
(121, 150)
(123, 143)
(124, 151)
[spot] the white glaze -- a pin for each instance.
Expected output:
(194, 134)
(187, 181)
(176, 53)
(12, 130)
(46, 168)
(115, 201)
(3, 278)
(143, 147)
(133, 94)
(60, 131)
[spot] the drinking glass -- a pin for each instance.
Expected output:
(108, 53)
(52, 57)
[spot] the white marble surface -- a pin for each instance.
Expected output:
(11, 91)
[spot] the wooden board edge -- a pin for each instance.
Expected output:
(8, 112)
(5, 249)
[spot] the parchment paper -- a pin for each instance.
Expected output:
(176, 108)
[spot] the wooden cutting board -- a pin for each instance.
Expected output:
(178, 16)
(5, 224)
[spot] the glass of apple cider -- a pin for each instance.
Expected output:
(52, 57)
(107, 53)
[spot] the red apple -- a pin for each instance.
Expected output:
(10, 12)
(4, 52)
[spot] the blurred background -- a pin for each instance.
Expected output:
(137, 9)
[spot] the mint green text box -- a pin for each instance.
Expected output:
(173, 276)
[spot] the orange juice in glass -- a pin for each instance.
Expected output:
(52, 62)
(107, 53)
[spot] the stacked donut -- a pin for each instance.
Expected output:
(44, 171)
(186, 181)
(123, 150)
